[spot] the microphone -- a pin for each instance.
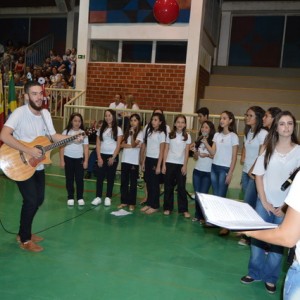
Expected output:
(289, 181)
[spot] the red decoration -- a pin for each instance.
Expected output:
(166, 11)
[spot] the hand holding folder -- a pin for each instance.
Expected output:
(231, 214)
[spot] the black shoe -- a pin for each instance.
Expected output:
(270, 288)
(88, 175)
(247, 279)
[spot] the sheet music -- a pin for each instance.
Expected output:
(231, 214)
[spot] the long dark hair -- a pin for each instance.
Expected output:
(70, 125)
(211, 134)
(273, 137)
(136, 130)
(232, 125)
(162, 126)
(172, 134)
(259, 114)
(114, 125)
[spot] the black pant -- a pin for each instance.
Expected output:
(74, 170)
(152, 182)
(174, 176)
(108, 172)
(129, 174)
(33, 193)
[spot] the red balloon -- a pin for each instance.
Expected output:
(166, 11)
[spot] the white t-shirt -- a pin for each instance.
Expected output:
(75, 149)
(176, 153)
(278, 171)
(153, 143)
(28, 126)
(108, 145)
(203, 163)
(114, 105)
(293, 201)
(224, 144)
(132, 155)
(252, 146)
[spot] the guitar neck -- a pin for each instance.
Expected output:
(63, 142)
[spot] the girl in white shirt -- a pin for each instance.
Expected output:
(280, 157)
(202, 170)
(131, 145)
(224, 150)
(175, 166)
(108, 147)
(254, 138)
(74, 159)
(154, 143)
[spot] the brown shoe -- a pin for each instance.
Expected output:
(31, 246)
(35, 238)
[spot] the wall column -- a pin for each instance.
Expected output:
(193, 57)
(70, 26)
(224, 42)
(83, 45)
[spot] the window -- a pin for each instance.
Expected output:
(171, 52)
(104, 50)
(136, 51)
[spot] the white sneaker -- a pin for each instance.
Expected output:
(81, 202)
(70, 202)
(96, 201)
(107, 201)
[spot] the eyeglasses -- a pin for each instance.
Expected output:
(249, 116)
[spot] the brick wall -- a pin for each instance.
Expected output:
(153, 85)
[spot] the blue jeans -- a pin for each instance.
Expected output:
(249, 190)
(218, 176)
(292, 283)
(201, 183)
(262, 266)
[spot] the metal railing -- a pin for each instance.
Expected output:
(36, 53)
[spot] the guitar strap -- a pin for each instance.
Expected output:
(48, 131)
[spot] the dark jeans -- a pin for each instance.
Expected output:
(108, 172)
(201, 183)
(92, 161)
(152, 182)
(173, 175)
(33, 193)
(129, 176)
(74, 170)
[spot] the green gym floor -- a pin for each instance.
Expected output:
(91, 254)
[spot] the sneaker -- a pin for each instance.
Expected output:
(34, 238)
(96, 201)
(270, 287)
(107, 201)
(88, 175)
(81, 202)
(31, 246)
(247, 279)
(70, 202)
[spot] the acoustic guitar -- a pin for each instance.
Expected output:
(20, 166)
